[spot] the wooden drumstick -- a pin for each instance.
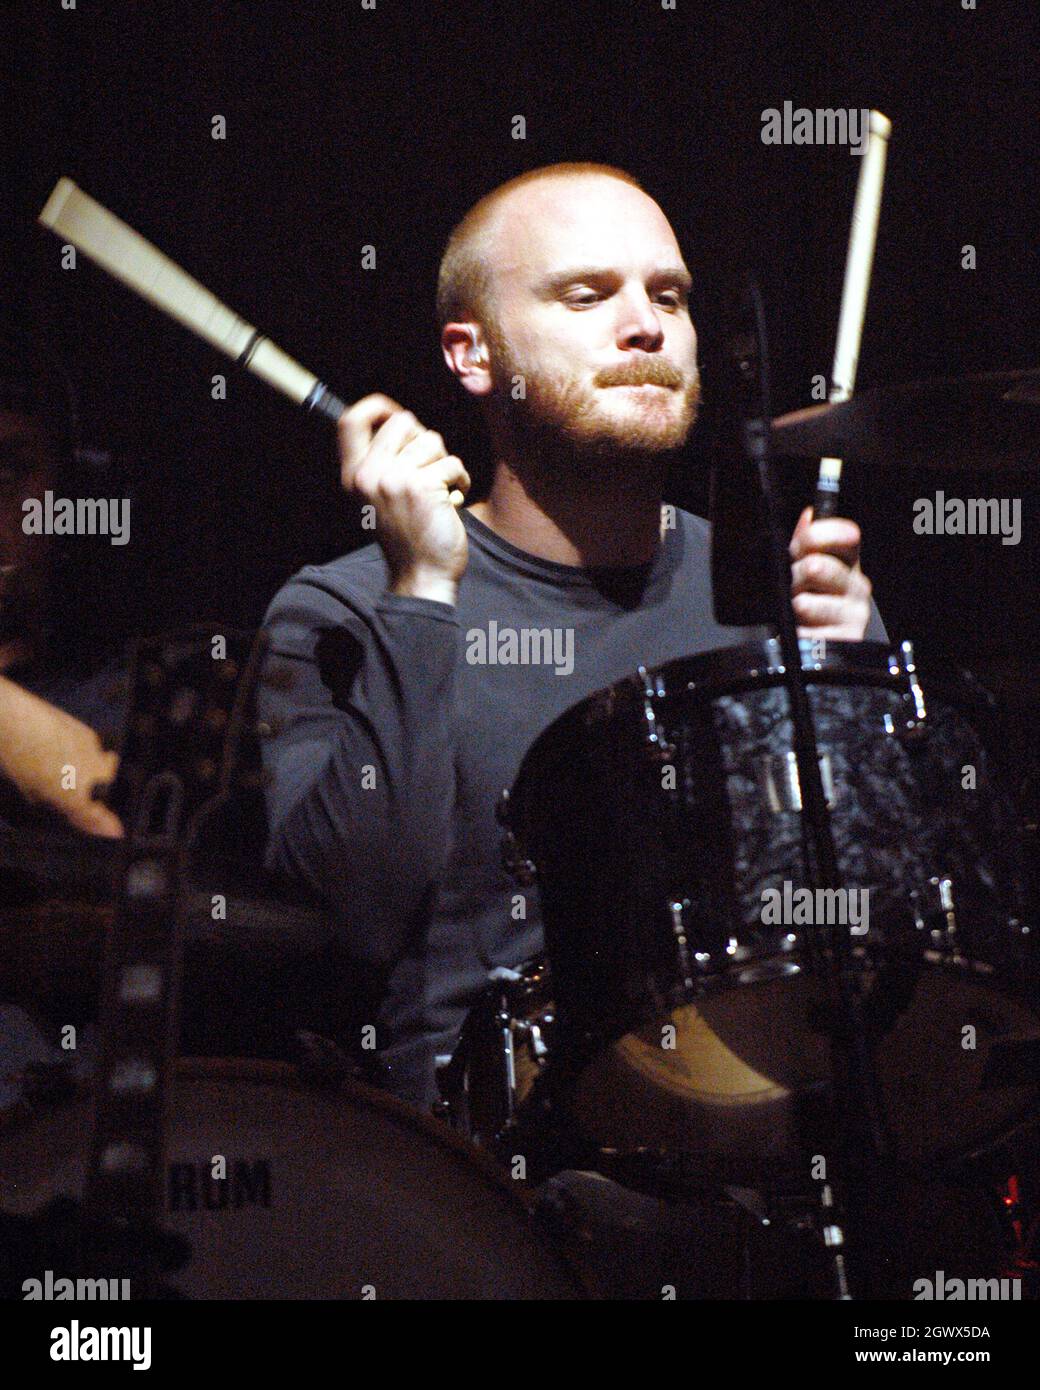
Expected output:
(126, 255)
(858, 264)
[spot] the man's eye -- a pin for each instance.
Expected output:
(672, 299)
(583, 298)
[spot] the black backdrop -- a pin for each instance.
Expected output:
(348, 127)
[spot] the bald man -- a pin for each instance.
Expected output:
(417, 687)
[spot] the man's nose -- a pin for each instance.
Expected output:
(639, 325)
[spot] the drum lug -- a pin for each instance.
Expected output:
(514, 859)
(946, 906)
(943, 938)
(658, 747)
(904, 664)
(676, 910)
(779, 784)
(530, 1032)
(539, 1047)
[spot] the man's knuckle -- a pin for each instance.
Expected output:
(388, 487)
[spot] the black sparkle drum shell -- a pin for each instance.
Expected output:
(330, 1195)
(662, 817)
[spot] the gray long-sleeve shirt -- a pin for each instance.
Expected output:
(399, 721)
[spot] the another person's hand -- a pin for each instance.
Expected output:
(831, 594)
(55, 761)
(407, 474)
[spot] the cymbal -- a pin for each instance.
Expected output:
(952, 423)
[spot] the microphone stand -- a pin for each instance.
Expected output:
(857, 1126)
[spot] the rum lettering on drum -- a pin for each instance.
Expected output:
(192, 1186)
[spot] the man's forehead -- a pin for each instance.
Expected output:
(580, 220)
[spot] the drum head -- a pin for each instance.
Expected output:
(326, 1195)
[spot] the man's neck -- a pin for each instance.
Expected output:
(591, 528)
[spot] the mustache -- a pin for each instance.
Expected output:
(653, 372)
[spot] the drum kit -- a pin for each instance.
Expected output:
(674, 1034)
(790, 960)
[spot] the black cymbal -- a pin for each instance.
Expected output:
(955, 423)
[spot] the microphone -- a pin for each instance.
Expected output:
(742, 592)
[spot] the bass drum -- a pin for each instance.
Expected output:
(336, 1194)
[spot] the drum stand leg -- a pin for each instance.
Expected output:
(853, 1115)
(839, 1150)
(834, 1241)
(816, 1211)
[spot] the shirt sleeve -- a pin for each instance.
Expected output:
(358, 720)
(876, 631)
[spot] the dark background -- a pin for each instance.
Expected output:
(347, 127)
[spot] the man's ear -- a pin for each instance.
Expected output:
(466, 354)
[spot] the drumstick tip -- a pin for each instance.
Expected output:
(54, 204)
(880, 125)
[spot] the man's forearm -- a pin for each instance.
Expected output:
(362, 786)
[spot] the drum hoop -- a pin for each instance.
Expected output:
(262, 1072)
(757, 665)
(874, 664)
